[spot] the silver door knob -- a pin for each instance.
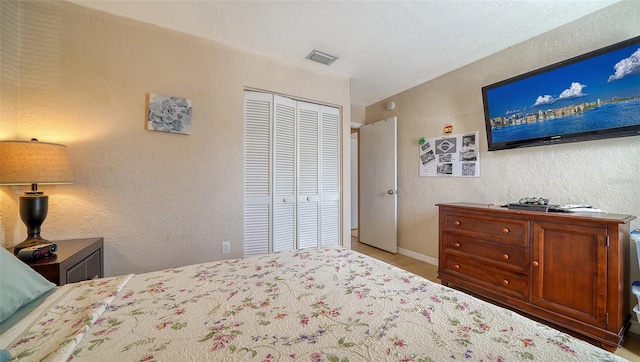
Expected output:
(391, 192)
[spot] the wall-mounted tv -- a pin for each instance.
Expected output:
(592, 96)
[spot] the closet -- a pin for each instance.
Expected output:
(292, 174)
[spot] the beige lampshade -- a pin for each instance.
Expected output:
(33, 162)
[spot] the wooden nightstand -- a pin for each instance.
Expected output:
(76, 260)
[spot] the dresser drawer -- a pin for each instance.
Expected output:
(505, 230)
(503, 281)
(508, 256)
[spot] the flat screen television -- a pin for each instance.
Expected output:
(592, 96)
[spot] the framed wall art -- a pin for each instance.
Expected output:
(169, 114)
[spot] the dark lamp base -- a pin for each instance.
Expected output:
(33, 211)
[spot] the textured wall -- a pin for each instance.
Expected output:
(159, 199)
(605, 173)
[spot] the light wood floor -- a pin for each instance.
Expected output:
(629, 350)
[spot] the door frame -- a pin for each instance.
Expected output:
(356, 130)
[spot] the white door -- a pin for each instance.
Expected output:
(284, 174)
(257, 173)
(330, 176)
(318, 175)
(292, 174)
(308, 175)
(379, 185)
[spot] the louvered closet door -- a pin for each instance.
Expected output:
(292, 174)
(284, 169)
(257, 173)
(330, 176)
(308, 175)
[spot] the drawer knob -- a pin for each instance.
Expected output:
(505, 230)
(505, 282)
(535, 263)
(457, 245)
(505, 256)
(457, 266)
(457, 223)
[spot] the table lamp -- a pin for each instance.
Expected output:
(33, 163)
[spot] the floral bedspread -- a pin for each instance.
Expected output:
(326, 304)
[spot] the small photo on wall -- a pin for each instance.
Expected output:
(169, 114)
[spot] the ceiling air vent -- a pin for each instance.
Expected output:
(321, 57)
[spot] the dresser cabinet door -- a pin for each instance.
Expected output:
(569, 271)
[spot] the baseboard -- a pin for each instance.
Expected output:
(418, 256)
(635, 327)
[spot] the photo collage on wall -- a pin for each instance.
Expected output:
(451, 155)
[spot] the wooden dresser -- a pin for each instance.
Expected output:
(568, 269)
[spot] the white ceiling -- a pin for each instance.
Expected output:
(384, 47)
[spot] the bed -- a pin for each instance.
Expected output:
(324, 304)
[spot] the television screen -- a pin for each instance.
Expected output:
(592, 96)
